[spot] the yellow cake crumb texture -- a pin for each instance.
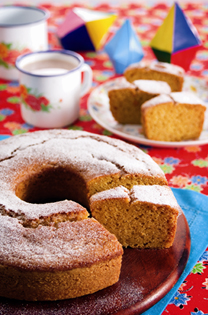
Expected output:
(144, 217)
(165, 112)
(179, 118)
(126, 99)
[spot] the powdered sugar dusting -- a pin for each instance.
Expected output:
(123, 83)
(90, 155)
(186, 98)
(114, 193)
(160, 99)
(155, 194)
(159, 66)
(71, 245)
(67, 244)
(140, 64)
(174, 97)
(153, 87)
(167, 67)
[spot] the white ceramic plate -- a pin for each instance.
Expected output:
(98, 106)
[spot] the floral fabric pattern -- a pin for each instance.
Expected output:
(8, 55)
(33, 101)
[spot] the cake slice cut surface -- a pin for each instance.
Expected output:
(144, 217)
(175, 117)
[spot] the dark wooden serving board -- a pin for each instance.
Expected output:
(146, 276)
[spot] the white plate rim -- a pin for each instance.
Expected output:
(132, 138)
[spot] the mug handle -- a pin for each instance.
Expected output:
(87, 79)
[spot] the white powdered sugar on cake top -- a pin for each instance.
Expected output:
(159, 66)
(90, 152)
(122, 83)
(174, 97)
(160, 99)
(114, 193)
(186, 98)
(153, 86)
(140, 64)
(155, 194)
(89, 155)
(167, 67)
(70, 245)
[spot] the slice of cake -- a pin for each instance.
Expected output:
(160, 71)
(143, 217)
(126, 98)
(175, 117)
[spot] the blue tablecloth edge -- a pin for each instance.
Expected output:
(202, 243)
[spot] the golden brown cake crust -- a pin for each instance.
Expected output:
(175, 117)
(58, 285)
(170, 73)
(126, 99)
(66, 246)
(145, 216)
(44, 235)
(57, 262)
(77, 164)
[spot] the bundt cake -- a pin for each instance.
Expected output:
(161, 71)
(175, 117)
(125, 99)
(58, 261)
(50, 249)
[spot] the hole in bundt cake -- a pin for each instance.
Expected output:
(50, 184)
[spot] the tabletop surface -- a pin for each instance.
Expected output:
(185, 167)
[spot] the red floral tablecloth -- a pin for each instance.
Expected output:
(185, 167)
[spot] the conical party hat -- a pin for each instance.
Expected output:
(176, 40)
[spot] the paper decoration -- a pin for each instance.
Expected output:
(124, 48)
(83, 29)
(177, 40)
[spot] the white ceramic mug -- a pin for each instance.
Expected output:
(51, 85)
(22, 29)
